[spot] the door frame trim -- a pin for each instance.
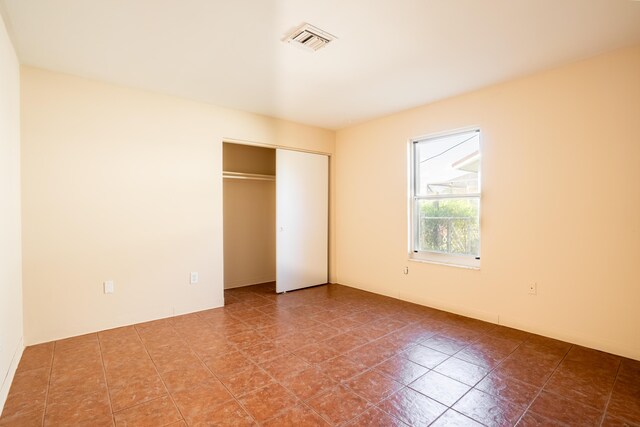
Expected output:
(274, 146)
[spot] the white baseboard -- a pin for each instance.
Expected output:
(10, 374)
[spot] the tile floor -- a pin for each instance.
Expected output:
(329, 355)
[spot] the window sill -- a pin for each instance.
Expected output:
(445, 263)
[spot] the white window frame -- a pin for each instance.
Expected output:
(464, 261)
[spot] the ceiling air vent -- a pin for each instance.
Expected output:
(310, 37)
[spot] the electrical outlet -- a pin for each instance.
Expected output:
(533, 288)
(194, 277)
(108, 287)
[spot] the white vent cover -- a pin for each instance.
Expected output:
(310, 37)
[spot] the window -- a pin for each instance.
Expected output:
(445, 198)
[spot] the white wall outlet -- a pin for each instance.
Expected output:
(108, 287)
(533, 288)
(194, 278)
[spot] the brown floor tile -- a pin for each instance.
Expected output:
(414, 333)
(462, 371)
(186, 378)
(487, 352)
(82, 378)
(268, 402)
(27, 393)
(412, 407)
(194, 401)
(73, 411)
(246, 380)
(394, 344)
(452, 418)
(610, 421)
(525, 369)
(247, 338)
(402, 370)
(629, 368)
(509, 333)
(294, 340)
(284, 366)
(530, 419)
(345, 342)
(308, 383)
(173, 357)
(77, 344)
(514, 391)
(583, 387)
(373, 386)
(625, 402)
(603, 362)
(339, 405)
(273, 332)
(547, 345)
(566, 411)
(370, 332)
(342, 368)
(227, 364)
(316, 353)
(227, 414)
(374, 417)
(487, 409)
(363, 317)
(444, 344)
(136, 392)
(297, 416)
(264, 352)
(344, 324)
(157, 412)
(36, 356)
(320, 333)
(371, 354)
(23, 419)
(440, 388)
(425, 356)
(123, 374)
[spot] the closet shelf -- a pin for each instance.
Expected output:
(252, 176)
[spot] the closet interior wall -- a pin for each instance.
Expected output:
(249, 205)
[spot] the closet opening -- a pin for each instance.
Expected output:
(275, 218)
(249, 216)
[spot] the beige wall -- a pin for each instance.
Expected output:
(560, 204)
(125, 185)
(10, 247)
(249, 217)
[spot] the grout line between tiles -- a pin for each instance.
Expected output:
(216, 377)
(606, 408)
(46, 397)
(159, 376)
(545, 383)
(106, 381)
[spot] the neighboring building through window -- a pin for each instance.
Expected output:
(445, 199)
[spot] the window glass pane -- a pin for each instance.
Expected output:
(449, 226)
(448, 165)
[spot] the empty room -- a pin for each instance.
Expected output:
(340, 213)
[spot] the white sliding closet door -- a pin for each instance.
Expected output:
(302, 219)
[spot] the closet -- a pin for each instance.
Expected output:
(275, 204)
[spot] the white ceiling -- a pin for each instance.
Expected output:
(390, 54)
